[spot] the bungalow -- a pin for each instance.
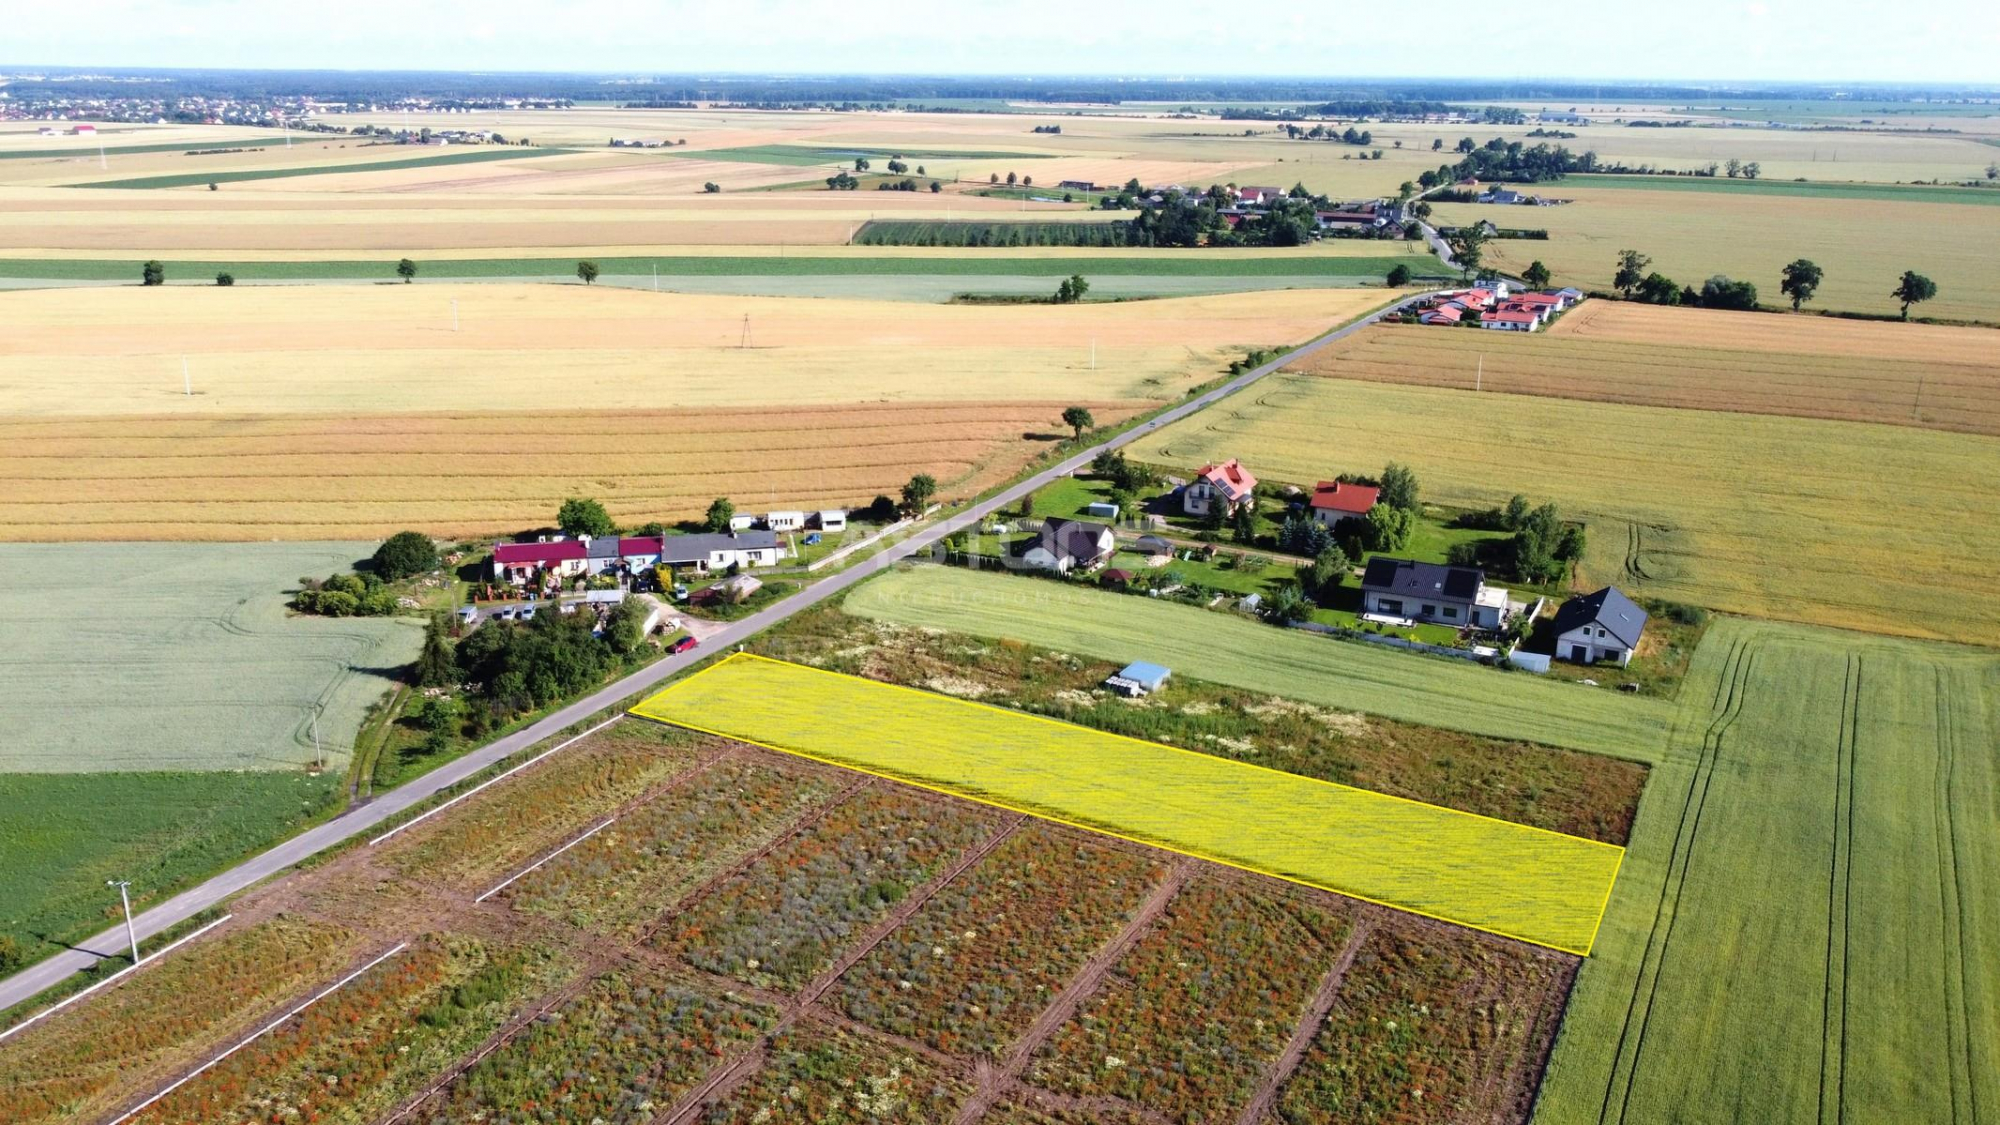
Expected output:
(1541, 313)
(518, 562)
(1443, 314)
(1418, 591)
(1472, 300)
(785, 521)
(1334, 501)
(1599, 627)
(711, 551)
(1506, 320)
(1502, 195)
(1226, 486)
(831, 519)
(1139, 678)
(1066, 545)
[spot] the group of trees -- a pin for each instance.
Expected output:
(1350, 136)
(1500, 159)
(1800, 280)
(1542, 548)
(1071, 290)
(1336, 550)
(1012, 179)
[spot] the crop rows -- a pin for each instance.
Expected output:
(1193, 1013)
(970, 971)
(780, 922)
(626, 874)
(622, 1050)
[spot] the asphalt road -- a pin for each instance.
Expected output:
(111, 943)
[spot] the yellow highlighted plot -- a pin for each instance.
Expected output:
(1510, 879)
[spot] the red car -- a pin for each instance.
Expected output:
(682, 645)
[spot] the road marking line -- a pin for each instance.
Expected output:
(115, 977)
(490, 781)
(258, 1034)
(580, 839)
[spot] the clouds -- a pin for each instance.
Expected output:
(1779, 40)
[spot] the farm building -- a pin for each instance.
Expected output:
(83, 130)
(1334, 501)
(1226, 486)
(1067, 545)
(1399, 591)
(1444, 314)
(785, 521)
(1599, 627)
(831, 519)
(742, 523)
(1101, 509)
(1139, 678)
(1078, 185)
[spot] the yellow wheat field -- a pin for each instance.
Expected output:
(1522, 882)
(389, 348)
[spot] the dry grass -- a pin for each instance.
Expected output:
(377, 349)
(1864, 245)
(328, 476)
(1898, 374)
(1888, 529)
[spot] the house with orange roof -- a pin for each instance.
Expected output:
(1336, 500)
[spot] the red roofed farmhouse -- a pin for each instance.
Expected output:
(1223, 487)
(1334, 501)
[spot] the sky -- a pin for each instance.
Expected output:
(1930, 41)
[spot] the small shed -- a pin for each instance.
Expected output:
(832, 519)
(1101, 509)
(1116, 577)
(785, 521)
(742, 523)
(1139, 678)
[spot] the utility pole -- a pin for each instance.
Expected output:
(1917, 408)
(319, 759)
(125, 896)
(1479, 376)
(187, 380)
(746, 331)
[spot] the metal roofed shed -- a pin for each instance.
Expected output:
(1139, 678)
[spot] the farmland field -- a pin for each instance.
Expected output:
(1772, 516)
(1691, 235)
(194, 179)
(1823, 821)
(1704, 359)
(1524, 882)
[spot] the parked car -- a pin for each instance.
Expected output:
(505, 613)
(527, 613)
(813, 539)
(682, 645)
(680, 592)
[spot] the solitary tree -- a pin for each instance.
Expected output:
(1399, 276)
(720, 512)
(225, 278)
(407, 270)
(1536, 275)
(1078, 419)
(1072, 289)
(587, 271)
(1631, 271)
(1437, 143)
(1467, 245)
(1912, 289)
(917, 494)
(711, 187)
(1798, 281)
(404, 554)
(153, 273)
(436, 665)
(936, 187)
(579, 516)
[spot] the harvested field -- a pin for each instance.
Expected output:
(483, 473)
(1704, 359)
(1770, 516)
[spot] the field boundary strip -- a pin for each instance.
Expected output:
(428, 813)
(256, 1035)
(1575, 885)
(511, 879)
(114, 978)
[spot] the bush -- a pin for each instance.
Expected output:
(404, 554)
(1683, 614)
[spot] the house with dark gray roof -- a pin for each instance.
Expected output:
(1599, 627)
(1066, 545)
(1399, 591)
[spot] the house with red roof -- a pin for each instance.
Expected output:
(1258, 196)
(1224, 487)
(1336, 500)
(563, 559)
(1443, 314)
(1509, 320)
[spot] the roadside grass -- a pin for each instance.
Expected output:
(195, 179)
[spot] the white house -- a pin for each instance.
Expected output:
(1225, 486)
(1505, 320)
(1334, 501)
(1599, 627)
(711, 552)
(785, 521)
(1067, 545)
(1402, 590)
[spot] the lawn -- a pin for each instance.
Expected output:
(1239, 651)
(1763, 515)
(195, 179)
(1804, 930)
(1530, 883)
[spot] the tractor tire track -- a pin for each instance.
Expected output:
(1951, 905)
(1273, 1082)
(1839, 896)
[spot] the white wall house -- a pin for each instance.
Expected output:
(1597, 628)
(1223, 487)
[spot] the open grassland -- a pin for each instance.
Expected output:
(1244, 653)
(1703, 359)
(1691, 235)
(286, 350)
(488, 472)
(183, 657)
(1889, 529)
(1526, 883)
(1805, 929)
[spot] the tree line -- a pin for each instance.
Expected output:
(1798, 280)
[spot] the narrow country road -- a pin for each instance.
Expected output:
(111, 943)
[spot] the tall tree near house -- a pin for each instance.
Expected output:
(1798, 281)
(1243, 522)
(1912, 289)
(720, 512)
(579, 516)
(1078, 419)
(917, 494)
(1631, 271)
(587, 271)
(404, 554)
(407, 270)
(1399, 487)
(1536, 275)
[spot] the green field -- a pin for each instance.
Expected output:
(86, 149)
(1805, 930)
(63, 835)
(1518, 881)
(804, 156)
(196, 179)
(1241, 652)
(161, 656)
(1764, 515)
(1810, 189)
